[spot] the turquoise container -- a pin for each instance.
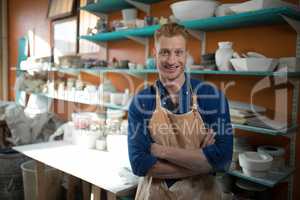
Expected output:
(150, 63)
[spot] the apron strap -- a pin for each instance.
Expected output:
(194, 101)
(157, 95)
(194, 106)
(194, 98)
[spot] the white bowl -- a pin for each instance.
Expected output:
(253, 64)
(132, 65)
(190, 10)
(116, 98)
(85, 138)
(277, 153)
(255, 164)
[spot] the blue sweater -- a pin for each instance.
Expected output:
(212, 106)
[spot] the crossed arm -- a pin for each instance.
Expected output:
(180, 163)
(148, 158)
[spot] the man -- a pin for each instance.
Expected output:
(179, 128)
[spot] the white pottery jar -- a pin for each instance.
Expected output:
(223, 55)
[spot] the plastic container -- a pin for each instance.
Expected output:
(53, 179)
(86, 138)
(11, 186)
(129, 14)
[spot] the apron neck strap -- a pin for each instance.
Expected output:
(157, 94)
(193, 95)
(194, 98)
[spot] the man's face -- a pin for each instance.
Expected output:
(170, 54)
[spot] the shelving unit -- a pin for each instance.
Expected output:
(108, 6)
(259, 130)
(271, 180)
(260, 17)
(101, 70)
(266, 131)
(198, 27)
(88, 101)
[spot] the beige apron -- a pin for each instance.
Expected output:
(183, 131)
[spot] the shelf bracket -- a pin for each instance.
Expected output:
(140, 40)
(101, 15)
(295, 101)
(104, 49)
(138, 75)
(295, 24)
(199, 35)
(141, 6)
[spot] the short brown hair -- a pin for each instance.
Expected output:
(170, 30)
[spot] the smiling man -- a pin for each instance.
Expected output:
(179, 129)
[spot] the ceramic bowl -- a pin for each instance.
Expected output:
(85, 138)
(191, 10)
(253, 64)
(255, 164)
(132, 66)
(277, 153)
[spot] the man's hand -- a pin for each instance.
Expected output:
(209, 139)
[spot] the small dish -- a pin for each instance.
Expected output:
(131, 65)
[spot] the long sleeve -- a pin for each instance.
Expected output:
(139, 140)
(219, 155)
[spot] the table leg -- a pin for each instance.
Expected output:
(96, 192)
(40, 181)
(86, 190)
(72, 182)
(111, 196)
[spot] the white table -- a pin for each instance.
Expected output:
(99, 168)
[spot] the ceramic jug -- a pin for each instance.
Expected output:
(223, 55)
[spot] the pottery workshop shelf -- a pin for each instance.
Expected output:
(122, 34)
(88, 101)
(200, 72)
(253, 18)
(260, 17)
(264, 130)
(108, 6)
(93, 101)
(272, 179)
